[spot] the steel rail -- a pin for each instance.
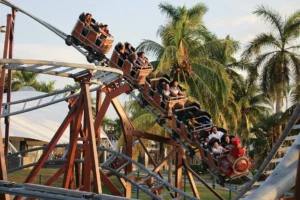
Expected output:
(105, 165)
(59, 64)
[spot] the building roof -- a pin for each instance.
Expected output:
(40, 124)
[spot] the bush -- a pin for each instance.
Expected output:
(196, 168)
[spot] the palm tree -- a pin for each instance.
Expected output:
(279, 62)
(266, 132)
(252, 103)
(22, 78)
(46, 87)
(187, 54)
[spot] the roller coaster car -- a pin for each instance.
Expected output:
(233, 164)
(181, 117)
(139, 75)
(89, 40)
(153, 94)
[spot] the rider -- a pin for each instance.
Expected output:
(216, 134)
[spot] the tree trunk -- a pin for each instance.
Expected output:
(279, 96)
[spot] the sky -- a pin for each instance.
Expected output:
(130, 20)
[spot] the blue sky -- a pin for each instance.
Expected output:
(130, 20)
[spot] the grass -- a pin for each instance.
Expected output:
(45, 173)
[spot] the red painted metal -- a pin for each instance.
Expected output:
(127, 131)
(154, 164)
(107, 182)
(178, 172)
(187, 167)
(9, 76)
(92, 140)
(153, 137)
(3, 172)
(72, 149)
(98, 106)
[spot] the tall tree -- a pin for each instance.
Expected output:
(279, 62)
(186, 54)
(266, 132)
(253, 105)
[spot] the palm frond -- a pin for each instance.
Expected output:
(260, 41)
(169, 10)
(151, 48)
(291, 29)
(271, 16)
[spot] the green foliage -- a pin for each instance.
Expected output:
(282, 63)
(196, 168)
(45, 87)
(194, 57)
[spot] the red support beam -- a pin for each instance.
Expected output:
(107, 182)
(165, 161)
(92, 140)
(69, 173)
(3, 172)
(9, 76)
(202, 181)
(178, 172)
(59, 172)
(52, 143)
(156, 138)
(106, 102)
(86, 171)
(191, 179)
(98, 106)
(128, 131)
(154, 164)
(86, 166)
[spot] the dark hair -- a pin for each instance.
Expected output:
(88, 14)
(127, 45)
(105, 25)
(140, 53)
(120, 46)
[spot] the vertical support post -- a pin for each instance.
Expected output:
(178, 172)
(185, 172)
(98, 106)
(86, 166)
(5, 56)
(9, 77)
(3, 172)
(69, 172)
(127, 130)
(92, 139)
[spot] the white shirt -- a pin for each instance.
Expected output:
(218, 135)
(217, 150)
